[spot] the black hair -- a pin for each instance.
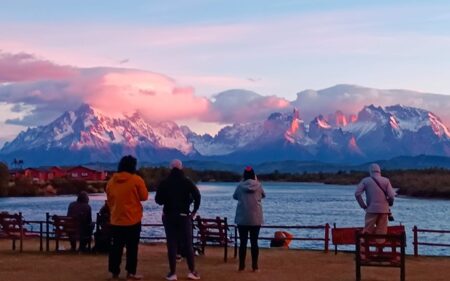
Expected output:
(249, 174)
(127, 164)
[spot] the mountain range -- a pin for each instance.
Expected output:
(87, 135)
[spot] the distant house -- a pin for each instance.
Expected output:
(83, 173)
(56, 172)
(36, 175)
(49, 173)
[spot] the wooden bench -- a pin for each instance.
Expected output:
(12, 227)
(381, 250)
(212, 232)
(64, 228)
(346, 235)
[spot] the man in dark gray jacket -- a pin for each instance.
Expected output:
(379, 197)
(176, 193)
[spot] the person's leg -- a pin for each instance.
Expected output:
(170, 227)
(132, 244)
(243, 237)
(381, 227)
(254, 234)
(116, 251)
(381, 224)
(370, 221)
(186, 241)
(73, 242)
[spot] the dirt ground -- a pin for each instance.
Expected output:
(275, 264)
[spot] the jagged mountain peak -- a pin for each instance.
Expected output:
(88, 134)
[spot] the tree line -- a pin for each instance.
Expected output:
(433, 182)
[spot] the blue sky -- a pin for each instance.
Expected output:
(275, 48)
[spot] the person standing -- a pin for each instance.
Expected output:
(249, 215)
(176, 193)
(81, 212)
(125, 191)
(379, 197)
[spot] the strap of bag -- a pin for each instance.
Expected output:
(379, 185)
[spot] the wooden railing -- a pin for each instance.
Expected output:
(416, 241)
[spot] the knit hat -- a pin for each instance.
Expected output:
(176, 163)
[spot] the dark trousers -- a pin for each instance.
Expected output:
(127, 236)
(84, 236)
(179, 232)
(244, 231)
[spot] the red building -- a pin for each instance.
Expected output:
(46, 174)
(37, 175)
(83, 173)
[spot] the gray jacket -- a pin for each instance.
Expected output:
(249, 209)
(376, 201)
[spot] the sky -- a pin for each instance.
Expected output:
(174, 59)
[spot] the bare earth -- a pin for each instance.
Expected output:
(275, 264)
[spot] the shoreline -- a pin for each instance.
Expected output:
(275, 264)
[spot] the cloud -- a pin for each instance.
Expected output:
(117, 91)
(33, 97)
(26, 67)
(243, 106)
(351, 98)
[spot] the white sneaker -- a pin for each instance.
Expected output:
(171, 277)
(193, 275)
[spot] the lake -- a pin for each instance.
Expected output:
(285, 204)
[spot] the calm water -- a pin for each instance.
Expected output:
(285, 204)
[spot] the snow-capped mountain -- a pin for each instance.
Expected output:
(375, 133)
(88, 135)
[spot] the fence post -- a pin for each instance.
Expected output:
(21, 230)
(47, 230)
(327, 237)
(415, 242)
(235, 240)
(41, 232)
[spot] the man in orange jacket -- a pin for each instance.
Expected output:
(125, 191)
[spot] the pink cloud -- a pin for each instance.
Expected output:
(26, 67)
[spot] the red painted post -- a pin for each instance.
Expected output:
(327, 237)
(415, 242)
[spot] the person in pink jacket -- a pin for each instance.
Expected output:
(379, 198)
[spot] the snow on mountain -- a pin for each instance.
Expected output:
(87, 134)
(88, 129)
(227, 140)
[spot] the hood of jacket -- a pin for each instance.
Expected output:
(83, 197)
(121, 177)
(374, 170)
(250, 185)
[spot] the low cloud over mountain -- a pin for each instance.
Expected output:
(50, 89)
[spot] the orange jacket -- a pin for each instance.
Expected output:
(125, 192)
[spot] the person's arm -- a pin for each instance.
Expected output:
(358, 195)
(390, 193)
(235, 194)
(89, 216)
(70, 210)
(263, 193)
(142, 189)
(195, 193)
(160, 196)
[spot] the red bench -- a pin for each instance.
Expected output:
(64, 228)
(346, 235)
(12, 227)
(381, 250)
(212, 232)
